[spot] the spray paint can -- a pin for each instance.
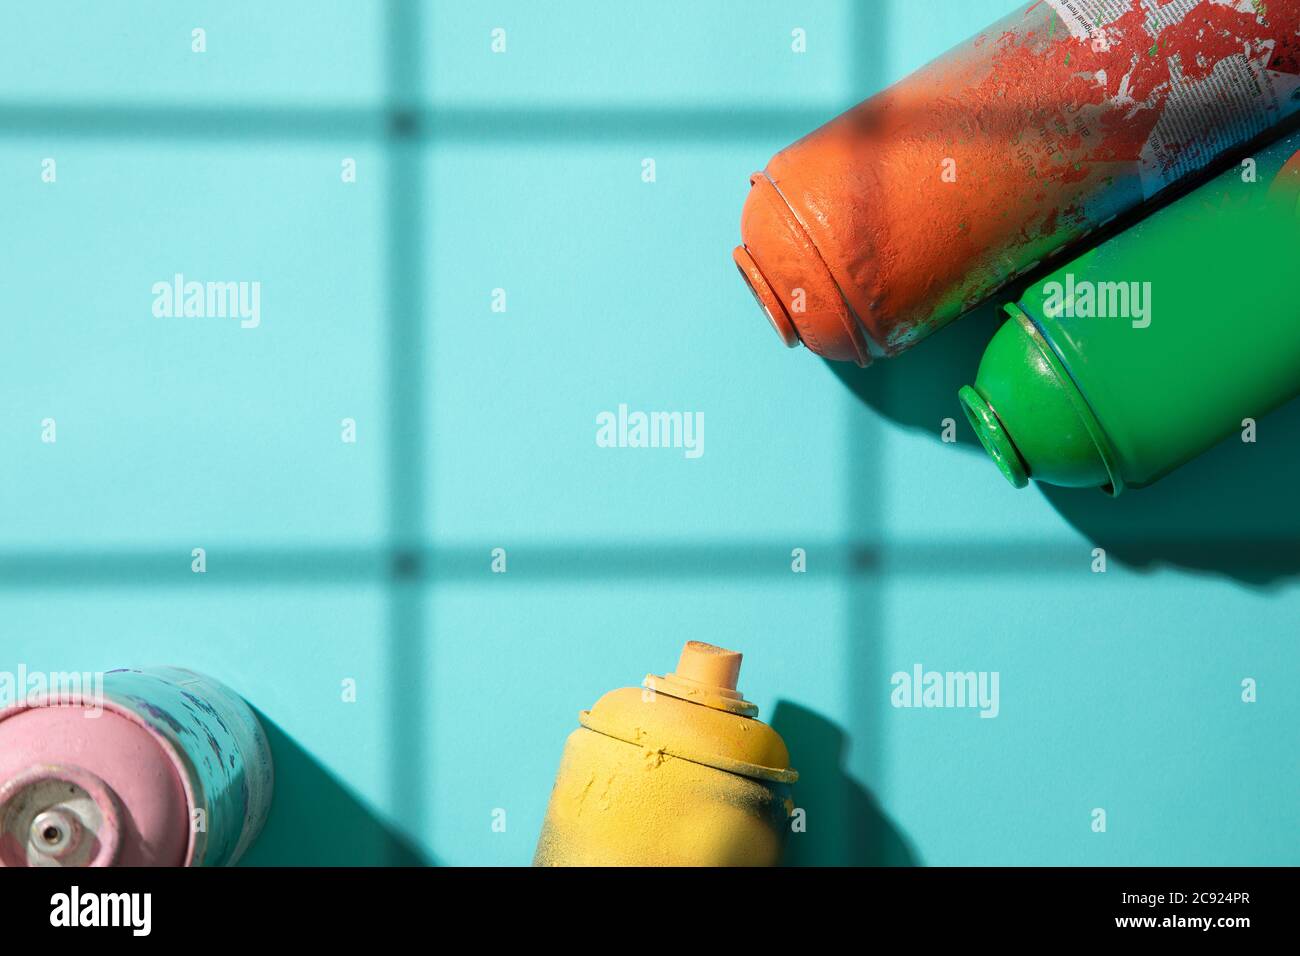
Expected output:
(896, 217)
(678, 772)
(1156, 345)
(156, 767)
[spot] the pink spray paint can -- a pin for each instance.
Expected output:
(153, 767)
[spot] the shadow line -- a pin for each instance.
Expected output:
(410, 674)
(1114, 524)
(410, 120)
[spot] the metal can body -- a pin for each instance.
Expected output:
(893, 219)
(1153, 347)
(159, 766)
(616, 805)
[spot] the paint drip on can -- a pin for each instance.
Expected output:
(893, 219)
(156, 767)
(678, 772)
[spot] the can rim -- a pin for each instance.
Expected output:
(184, 770)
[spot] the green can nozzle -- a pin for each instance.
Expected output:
(1030, 416)
(993, 436)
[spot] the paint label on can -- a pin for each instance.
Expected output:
(1199, 70)
(1085, 18)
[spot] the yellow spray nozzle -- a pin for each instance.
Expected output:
(709, 665)
(706, 675)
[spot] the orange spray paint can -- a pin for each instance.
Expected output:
(896, 217)
(677, 772)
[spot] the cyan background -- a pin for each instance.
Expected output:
(476, 430)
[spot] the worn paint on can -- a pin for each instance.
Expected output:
(679, 772)
(162, 766)
(893, 219)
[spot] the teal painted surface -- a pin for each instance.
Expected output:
(476, 430)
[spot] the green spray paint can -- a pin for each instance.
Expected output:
(1157, 344)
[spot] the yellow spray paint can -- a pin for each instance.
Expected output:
(678, 772)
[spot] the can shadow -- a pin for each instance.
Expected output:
(316, 821)
(1231, 511)
(845, 824)
(918, 389)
